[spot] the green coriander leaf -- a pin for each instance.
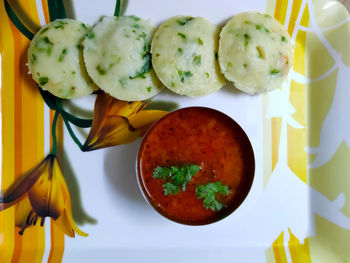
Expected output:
(83, 26)
(135, 18)
(197, 60)
(200, 41)
(209, 192)
(44, 30)
(183, 36)
(184, 21)
(162, 173)
(62, 55)
(101, 70)
(60, 24)
(177, 177)
(43, 81)
(90, 35)
(246, 39)
(283, 39)
(180, 50)
(274, 71)
(170, 189)
(149, 89)
(146, 56)
(33, 58)
(184, 75)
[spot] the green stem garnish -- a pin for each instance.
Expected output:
(209, 192)
(117, 8)
(72, 134)
(15, 20)
(56, 9)
(53, 133)
(177, 177)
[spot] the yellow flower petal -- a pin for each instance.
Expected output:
(22, 211)
(45, 195)
(65, 221)
(22, 185)
(118, 122)
(144, 119)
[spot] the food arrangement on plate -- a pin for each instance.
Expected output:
(125, 60)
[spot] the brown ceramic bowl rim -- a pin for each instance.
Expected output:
(248, 182)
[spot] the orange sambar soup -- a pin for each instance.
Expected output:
(204, 137)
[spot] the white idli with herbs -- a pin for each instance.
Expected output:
(118, 59)
(255, 52)
(55, 59)
(184, 56)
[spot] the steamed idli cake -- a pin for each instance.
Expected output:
(255, 52)
(55, 59)
(183, 56)
(118, 60)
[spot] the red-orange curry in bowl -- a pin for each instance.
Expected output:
(195, 166)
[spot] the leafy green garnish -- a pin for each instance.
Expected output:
(283, 39)
(45, 45)
(60, 24)
(207, 74)
(274, 71)
(137, 26)
(43, 81)
(33, 58)
(172, 84)
(178, 177)
(149, 89)
(245, 65)
(146, 56)
(184, 75)
(246, 39)
(183, 36)
(83, 26)
(197, 60)
(183, 21)
(200, 41)
(44, 30)
(180, 50)
(247, 22)
(229, 64)
(101, 70)
(73, 72)
(122, 82)
(209, 192)
(260, 26)
(170, 189)
(90, 35)
(145, 68)
(135, 18)
(62, 55)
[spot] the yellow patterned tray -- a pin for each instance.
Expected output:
(298, 209)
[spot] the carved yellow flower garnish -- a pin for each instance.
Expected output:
(118, 122)
(41, 193)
